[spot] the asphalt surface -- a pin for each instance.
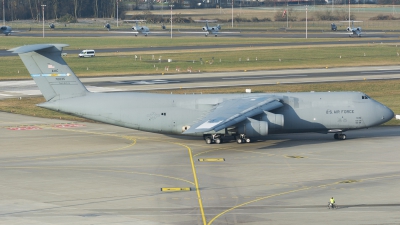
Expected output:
(274, 33)
(12, 89)
(61, 172)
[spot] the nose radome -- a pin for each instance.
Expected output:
(385, 113)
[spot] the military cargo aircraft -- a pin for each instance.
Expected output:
(6, 30)
(215, 117)
(107, 26)
(141, 29)
(356, 31)
(215, 30)
(353, 30)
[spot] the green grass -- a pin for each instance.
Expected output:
(27, 106)
(8, 42)
(234, 59)
(386, 92)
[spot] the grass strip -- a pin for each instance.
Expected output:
(216, 60)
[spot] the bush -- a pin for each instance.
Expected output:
(67, 18)
(384, 17)
(338, 15)
(255, 19)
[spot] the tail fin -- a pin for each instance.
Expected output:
(50, 72)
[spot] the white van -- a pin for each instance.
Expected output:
(87, 53)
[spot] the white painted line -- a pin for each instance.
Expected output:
(261, 77)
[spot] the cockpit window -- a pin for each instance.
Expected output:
(365, 97)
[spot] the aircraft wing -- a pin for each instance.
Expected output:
(125, 32)
(341, 33)
(193, 32)
(226, 32)
(137, 32)
(233, 111)
(206, 32)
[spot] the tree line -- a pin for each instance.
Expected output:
(72, 9)
(55, 9)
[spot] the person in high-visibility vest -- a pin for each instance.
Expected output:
(332, 202)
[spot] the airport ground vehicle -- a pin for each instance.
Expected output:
(87, 53)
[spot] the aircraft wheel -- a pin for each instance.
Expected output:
(216, 35)
(248, 140)
(239, 141)
(343, 137)
(218, 140)
(208, 140)
(336, 136)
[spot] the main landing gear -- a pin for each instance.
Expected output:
(219, 138)
(339, 136)
(213, 138)
(241, 138)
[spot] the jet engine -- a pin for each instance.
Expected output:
(253, 128)
(349, 29)
(275, 121)
(359, 28)
(134, 28)
(204, 28)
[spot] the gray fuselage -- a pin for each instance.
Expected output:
(171, 113)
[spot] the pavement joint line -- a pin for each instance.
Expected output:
(79, 154)
(102, 170)
(354, 161)
(289, 192)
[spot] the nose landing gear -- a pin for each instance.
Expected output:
(339, 136)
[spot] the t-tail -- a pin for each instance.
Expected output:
(51, 73)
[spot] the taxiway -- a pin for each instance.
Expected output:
(64, 172)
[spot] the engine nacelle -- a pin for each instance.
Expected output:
(204, 28)
(253, 128)
(275, 121)
(359, 28)
(134, 28)
(349, 29)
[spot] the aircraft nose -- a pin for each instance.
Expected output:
(384, 113)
